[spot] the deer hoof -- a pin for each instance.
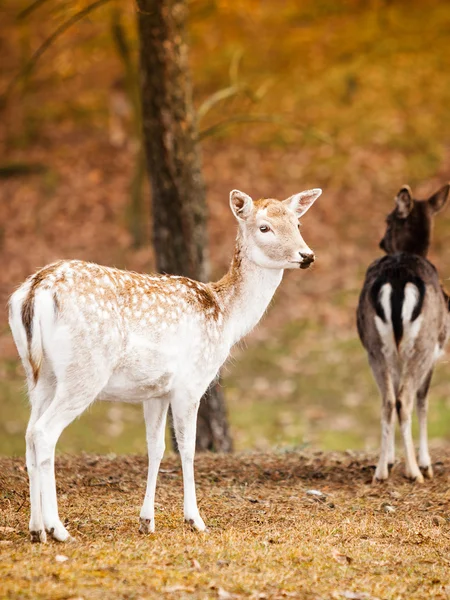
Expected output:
(59, 533)
(146, 526)
(427, 472)
(38, 536)
(417, 478)
(196, 524)
(381, 474)
(378, 480)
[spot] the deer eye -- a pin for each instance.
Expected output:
(264, 228)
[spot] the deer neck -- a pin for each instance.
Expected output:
(245, 292)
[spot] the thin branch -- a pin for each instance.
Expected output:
(274, 119)
(30, 9)
(212, 100)
(31, 64)
(236, 120)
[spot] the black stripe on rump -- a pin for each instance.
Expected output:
(397, 279)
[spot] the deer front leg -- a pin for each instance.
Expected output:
(184, 412)
(155, 414)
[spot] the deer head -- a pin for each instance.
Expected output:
(409, 224)
(270, 229)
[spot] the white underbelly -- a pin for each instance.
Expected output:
(158, 368)
(122, 387)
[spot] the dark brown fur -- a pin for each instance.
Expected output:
(403, 375)
(409, 224)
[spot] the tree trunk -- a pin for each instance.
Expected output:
(173, 162)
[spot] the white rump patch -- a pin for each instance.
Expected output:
(410, 328)
(385, 327)
(410, 301)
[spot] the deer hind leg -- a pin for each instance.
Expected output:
(155, 414)
(72, 397)
(184, 411)
(391, 441)
(404, 405)
(385, 384)
(41, 396)
(422, 411)
(387, 451)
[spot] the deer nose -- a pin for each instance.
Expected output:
(307, 258)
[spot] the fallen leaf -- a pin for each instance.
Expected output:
(224, 595)
(61, 558)
(178, 588)
(342, 559)
(387, 508)
(317, 495)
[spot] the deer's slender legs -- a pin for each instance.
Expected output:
(386, 387)
(387, 431)
(422, 411)
(391, 442)
(185, 422)
(387, 450)
(71, 399)
(404, 405)
(155, 413)
(40, 395)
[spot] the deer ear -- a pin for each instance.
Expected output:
(241, 204)
(404, 201)
(300, 203)
(438, 200)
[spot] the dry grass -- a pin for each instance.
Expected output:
(372, 77)
(267, 538)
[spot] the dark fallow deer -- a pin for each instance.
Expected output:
(403, 323)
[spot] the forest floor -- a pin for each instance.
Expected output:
(268, 536)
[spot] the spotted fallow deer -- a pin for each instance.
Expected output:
(87, 332)
(403, 323)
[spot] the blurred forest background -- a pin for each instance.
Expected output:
(352, 96)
